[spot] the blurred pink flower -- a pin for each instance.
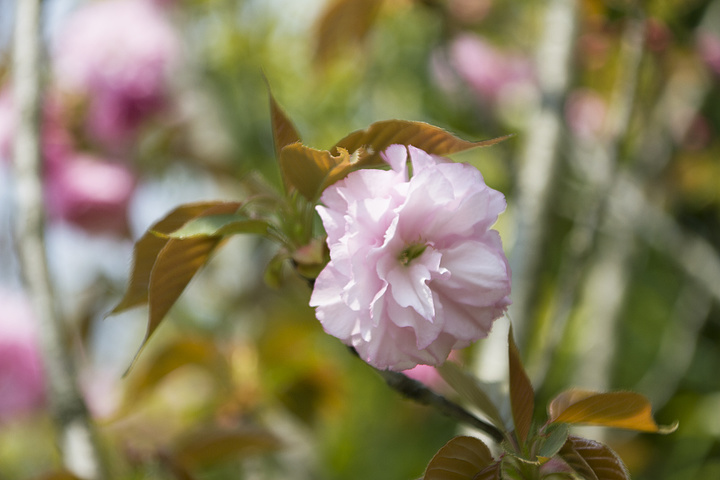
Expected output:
(89, 192)
(56, 139)
(22, 384)
(585, 112)
(430, 377)
(709, 46)
(118, 54)
(414, 270)
(7, 124)
(79, 188)
(488, 71)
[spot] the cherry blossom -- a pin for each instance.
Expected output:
(22, 383)
(415, 270)
(118, 54)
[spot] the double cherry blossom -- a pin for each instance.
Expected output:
(415, 270)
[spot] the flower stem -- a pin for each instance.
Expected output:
(418, 392)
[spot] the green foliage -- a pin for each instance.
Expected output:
(547, 452)
(471, 390)
(260, 349)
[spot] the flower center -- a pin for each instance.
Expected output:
(411, 253)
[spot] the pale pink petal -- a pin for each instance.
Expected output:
(396, 306)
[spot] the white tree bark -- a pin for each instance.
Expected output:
(75, 434)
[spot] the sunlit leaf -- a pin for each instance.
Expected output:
(522, 395)
(380, 135)
(306, 168)
(212, 445)
(593, 460)
(469, 388)
(149, 246)
(220, 225)
(311, 171)
(460, 459)
(343, 22)
(627, 410)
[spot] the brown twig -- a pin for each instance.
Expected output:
(416, 391)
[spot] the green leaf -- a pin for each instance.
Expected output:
(522, 395)
(470, 389)
(149, 246)
(220, 225)
(627, 410)
(274, 270)
(460, 459)
(212, 445)
(552, 441)
(593, 460)
(343, 22)
(511, 469)
(380, 135)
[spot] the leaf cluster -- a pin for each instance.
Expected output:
(548, 451)
(175, 248)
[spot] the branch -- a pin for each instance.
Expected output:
(76, 437)
(414, 390)
(599, 159)
(538, 179)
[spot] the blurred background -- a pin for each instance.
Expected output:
(612, 227)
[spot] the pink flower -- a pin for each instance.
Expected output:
(56, 139)
(585, 112)
(7, 124)
(489, 72)
(414, 270)
(430, 377)
(117, 53)
(22, 385)
(89, 192)
(80, 188)
(709, 46)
